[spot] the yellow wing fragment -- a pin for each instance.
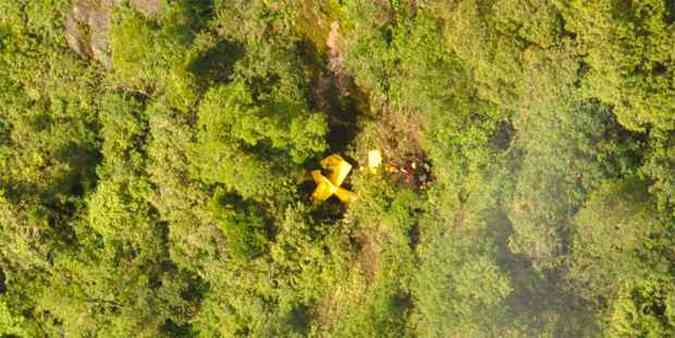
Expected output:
(324, 188)
(338, 167)
(327, 187)
(345, 195)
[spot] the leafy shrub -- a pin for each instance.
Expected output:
(630, 61)
(614, 231)
(243, 226)
(643, 309)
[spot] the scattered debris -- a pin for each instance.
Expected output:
(413, 172)
(327, 187)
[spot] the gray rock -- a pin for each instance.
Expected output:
(87, 28)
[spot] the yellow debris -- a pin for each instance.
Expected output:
(345, 195)
(324, 188)
(374, 160)
(338, 167)
(327, 187)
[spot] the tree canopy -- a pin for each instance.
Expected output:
(155, 161)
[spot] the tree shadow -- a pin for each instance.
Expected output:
(299, 319)
(337, 95)
(670, 12)
(3, 286)
(82, 178)
(215, 65)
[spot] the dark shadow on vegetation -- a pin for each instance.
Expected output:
(306, 187)
(246, 225)
(5, 132)
(198, 287)
(141, 98)
(299, 319)
(414, 235)
(501, 140)
(3, 287)
(343, 115)
(630, 148)
(193, 294)
(215, 65)
(59, 213)
(177, 330)
(185, 19)
(583, 69)
(670, 12)
(82, 179)
(329, 212)
(501, 229)
(15, 191)
(398, 306)
(41, 122)
(200, 12)
(336, 95)
(4, 36)
(62, 200)
(402, 302)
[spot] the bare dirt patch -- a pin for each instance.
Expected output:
(399, 136)
(368, 256)
(147, 7)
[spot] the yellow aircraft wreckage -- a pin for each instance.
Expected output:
(327, 187)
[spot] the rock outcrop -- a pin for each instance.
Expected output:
(88, 24)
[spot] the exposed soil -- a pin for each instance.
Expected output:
(147, 7)
(368, 256)
(336, 59)
(335, 93)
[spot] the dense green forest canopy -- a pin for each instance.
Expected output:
(155, 159)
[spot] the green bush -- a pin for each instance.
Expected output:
(643, 309)
(629, 48)
(242, 225)
(615, 222)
